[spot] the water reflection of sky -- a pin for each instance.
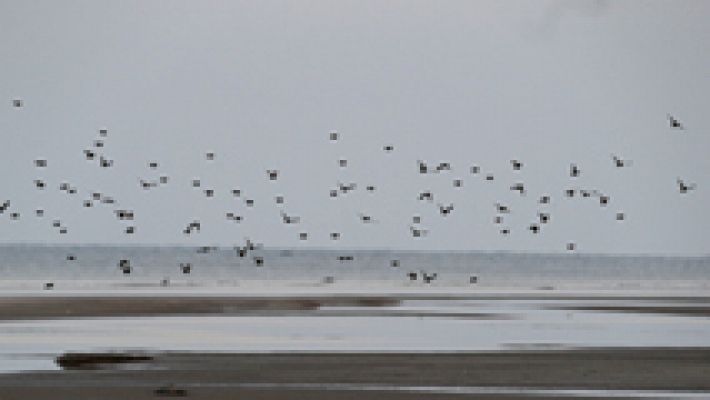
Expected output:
(31, 344)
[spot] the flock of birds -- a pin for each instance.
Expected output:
(95, 154)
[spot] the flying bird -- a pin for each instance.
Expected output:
(683, 187)
(674, 123)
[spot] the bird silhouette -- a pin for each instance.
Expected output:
(502, 208)
(446, 209)
(418, 232)
(519, 187)
(683, 187)
(619, 162)
(674, 123)
(443, 166)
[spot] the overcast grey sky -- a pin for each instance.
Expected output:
(261, 84)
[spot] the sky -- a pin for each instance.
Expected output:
(263, 83)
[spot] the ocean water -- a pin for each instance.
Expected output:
(38, 262)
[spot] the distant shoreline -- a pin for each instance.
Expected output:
(380, 250)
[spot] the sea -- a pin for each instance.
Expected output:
(225, 264)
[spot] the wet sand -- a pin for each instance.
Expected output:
(694, 311)
(364, 375)
(61, 306)
(221, 393)
(121, 306)
(514, 373)
(202, 393)
(18, 308)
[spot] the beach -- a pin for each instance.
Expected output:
(575, 374)
(528, 326)
(307, 342)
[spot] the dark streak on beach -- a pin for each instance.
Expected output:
(278, 375)
(695, 311)
(107, 306)
(39, 307)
